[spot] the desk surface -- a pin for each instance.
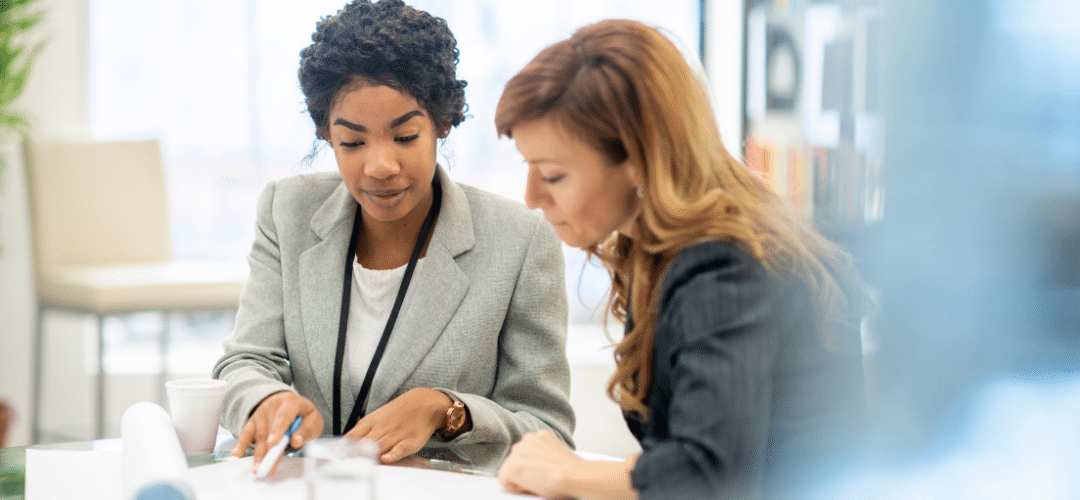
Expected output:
(475, 459)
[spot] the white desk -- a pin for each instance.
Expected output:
(92, 470)
(91, 475)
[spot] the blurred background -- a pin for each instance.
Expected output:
(938, 141)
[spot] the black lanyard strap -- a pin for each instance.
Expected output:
(360, 405)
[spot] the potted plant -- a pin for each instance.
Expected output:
(17, 55)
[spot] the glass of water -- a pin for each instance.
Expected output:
(340, 467)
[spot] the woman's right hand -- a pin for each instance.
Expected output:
(271, 418)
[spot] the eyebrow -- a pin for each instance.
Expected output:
(393, 124)
(544, 160)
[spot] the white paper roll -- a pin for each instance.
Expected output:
(154, 467)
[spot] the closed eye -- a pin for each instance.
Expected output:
(407, 139)
(352, 144)
(552, 180)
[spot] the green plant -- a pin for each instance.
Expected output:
(16, 57)
(12, 482)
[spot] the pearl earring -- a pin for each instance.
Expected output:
(640, 192)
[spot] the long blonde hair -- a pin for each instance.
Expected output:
(624, 88)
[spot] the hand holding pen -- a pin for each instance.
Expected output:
(267, 426)
(272, 456)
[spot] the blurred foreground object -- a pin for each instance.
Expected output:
(977, 254)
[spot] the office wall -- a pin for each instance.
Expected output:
(16, 292)
(55, 100)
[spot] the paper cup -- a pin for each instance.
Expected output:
(195, 405)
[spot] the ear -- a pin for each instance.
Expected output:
(443, 132)
(633, 173)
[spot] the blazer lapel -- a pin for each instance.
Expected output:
(434, 296)
(322, 271)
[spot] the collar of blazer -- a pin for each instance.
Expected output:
(454, 229)
(435, 293)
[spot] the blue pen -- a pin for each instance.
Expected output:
(274, 454)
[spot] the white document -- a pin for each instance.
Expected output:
(150, 453)
(233, 479)
(63, 475)
(94, 475)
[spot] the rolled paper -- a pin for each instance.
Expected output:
(154, 466)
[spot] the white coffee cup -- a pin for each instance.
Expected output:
(195, 405)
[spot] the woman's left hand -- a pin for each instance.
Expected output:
(538, 464)
(404, 425)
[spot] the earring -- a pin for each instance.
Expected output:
(640, 192)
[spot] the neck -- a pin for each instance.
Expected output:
(629, 227)
(389, 244)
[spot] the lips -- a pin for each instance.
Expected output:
(386, 198)
(551, 221)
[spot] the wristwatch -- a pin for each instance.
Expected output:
(456, 416)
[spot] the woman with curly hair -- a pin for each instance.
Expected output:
(386, 301)
(740, 371)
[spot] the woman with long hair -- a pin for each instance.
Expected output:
(740, 370)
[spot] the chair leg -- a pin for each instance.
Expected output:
(99, 431)
(165, 340)
(37, 383)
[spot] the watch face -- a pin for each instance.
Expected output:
(457, 418)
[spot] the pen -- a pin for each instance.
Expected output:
(274, 454)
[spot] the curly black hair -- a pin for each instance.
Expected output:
(389, 43)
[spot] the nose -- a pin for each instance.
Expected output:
(381, 162)
(535, 196)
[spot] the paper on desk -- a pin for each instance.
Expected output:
(63, 475)
(96, 475)
(233, 479)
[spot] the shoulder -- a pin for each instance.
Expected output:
(317, 185)
(495, 217)
(714, 288)
(298, 193)
(295, 201)
(491, 206)
(710, 263)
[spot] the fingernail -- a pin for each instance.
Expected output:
(299, 441)
(271, 439)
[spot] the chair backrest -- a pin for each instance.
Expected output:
(98, 203)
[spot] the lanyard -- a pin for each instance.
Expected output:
(361, 398)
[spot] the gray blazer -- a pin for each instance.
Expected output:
(485, 316)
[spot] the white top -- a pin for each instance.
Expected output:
(370, 302)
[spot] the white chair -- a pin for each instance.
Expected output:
(102, 247)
